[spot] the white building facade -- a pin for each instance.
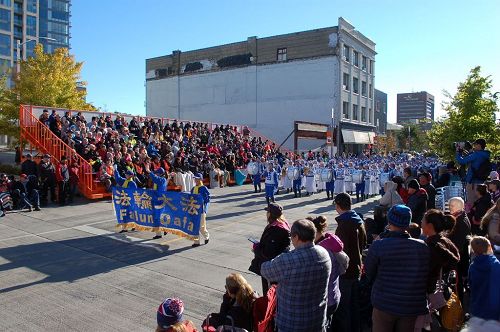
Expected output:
(278, 80)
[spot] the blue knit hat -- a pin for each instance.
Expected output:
(399, 216)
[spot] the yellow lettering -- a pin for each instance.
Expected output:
(165, 219)
(177, 221)
(123, 213)
(190, 226)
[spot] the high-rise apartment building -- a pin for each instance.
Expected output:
(32, 21)
(415, 107)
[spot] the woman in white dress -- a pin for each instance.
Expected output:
(339, 179)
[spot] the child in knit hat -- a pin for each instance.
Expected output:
(169, 317)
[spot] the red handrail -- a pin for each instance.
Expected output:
(39, 135)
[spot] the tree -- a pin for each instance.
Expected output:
(45, 79)
(412, 137)
(470, 114)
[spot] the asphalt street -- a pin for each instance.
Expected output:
(66, 268)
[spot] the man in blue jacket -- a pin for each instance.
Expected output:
(398, 266)
(484, 281)
(474, 160)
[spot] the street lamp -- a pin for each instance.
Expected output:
(19, 44)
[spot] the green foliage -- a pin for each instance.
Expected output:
(46, 80)
(470, 114)
(412, 137)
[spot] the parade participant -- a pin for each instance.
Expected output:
(310, 184)
(367, 181)
(278, 169)
(349, 184)
(271, 183)
(200, 189)
(297, 182)
(159, 184)
(339, 179)
(47, 174)
(359, 181)
(257, 177)
(287, 182)
(127, 182)
(330, 185)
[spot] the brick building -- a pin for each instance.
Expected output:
(268, 83)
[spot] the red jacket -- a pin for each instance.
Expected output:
(59, 173)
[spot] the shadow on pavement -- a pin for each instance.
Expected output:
(74, 259)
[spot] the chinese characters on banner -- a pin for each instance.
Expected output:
(152, 210)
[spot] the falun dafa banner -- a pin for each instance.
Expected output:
(152, 210)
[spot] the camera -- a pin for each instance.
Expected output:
(460, 146)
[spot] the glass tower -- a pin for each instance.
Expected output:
(28, 20)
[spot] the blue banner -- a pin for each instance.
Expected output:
(153, 210)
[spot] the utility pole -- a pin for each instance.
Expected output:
(331, 141)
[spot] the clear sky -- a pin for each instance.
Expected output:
(421, 45)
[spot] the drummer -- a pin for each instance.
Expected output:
(257, 177)
(359, 180)
(297, 180)
(271, 182)
(310, 182)
(330, 185)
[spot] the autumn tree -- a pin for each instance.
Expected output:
(44, 79)
(470, 114)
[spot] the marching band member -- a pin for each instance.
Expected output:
(374, 181)
(277, 168)
(271, 183)
(310, 181)
(320, 184)
(287, 182)
(200, 189)
(127, 182)
(297, 183)
(359, 175)
(339, 179)
(330, 185)
(257, 177)
(349, 184)
(159, 183)
(367, 181)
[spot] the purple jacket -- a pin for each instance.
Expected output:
(333, 245)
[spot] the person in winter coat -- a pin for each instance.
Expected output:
(29, 167)
(391, 196)
(62, 177)
(340, 262)
(396, 304)
(417, 201)
(460, 236)
(491, 224)
(237, 302)
(474, 160)
(494, 189)
(351, 231)
(479, 209)
(274, 240)
(484, 276)
(444, 254)
(425, 181)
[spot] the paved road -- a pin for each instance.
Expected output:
(65, 268)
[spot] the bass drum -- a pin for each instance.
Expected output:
(252, 168)
(293, 173)
(357, 177)
(326, 175)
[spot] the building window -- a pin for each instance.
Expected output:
(372, 64)
(345, 81)
(355, 112)
(281, 54)
(5, 19)
(346, 53)
(370, 117)
(31, 25)
(355, 55)
(5, 3)
(355, 85)
(31, 6)
(363, 114)
(363, 63)
(4, 44)
(377, 105)
(345, 110)
(370, 91)
(363, 88)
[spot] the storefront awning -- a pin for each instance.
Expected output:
(357, 137)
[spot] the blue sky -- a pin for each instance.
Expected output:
(421, 45)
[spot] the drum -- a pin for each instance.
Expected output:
(348, 178)
(252, 168)
(326, 175)
(357, 177)
(384, 177)
(293, 173)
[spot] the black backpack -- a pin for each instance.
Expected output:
(483, 172)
